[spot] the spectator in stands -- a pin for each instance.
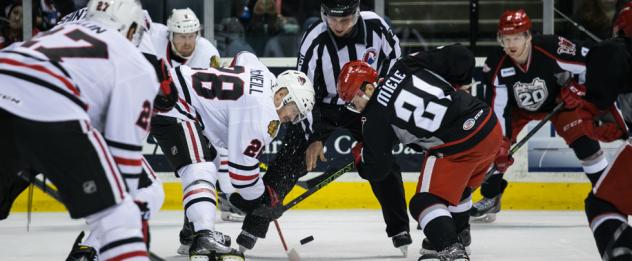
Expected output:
(233, 32)
(591, 14)
(12, 31)
(285, 43)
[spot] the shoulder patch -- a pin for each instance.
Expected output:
(565, 46)
(273, 128)
(370, 55)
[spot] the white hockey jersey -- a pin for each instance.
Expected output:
(83, 71)
(237, 109)
(200, 58)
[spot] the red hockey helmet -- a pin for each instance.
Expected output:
(623, 24)
(353, 76)
(513, 22)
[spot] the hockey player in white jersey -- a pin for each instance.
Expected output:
(77, 102)
(180, 42)
(242, 108)
(150, 194)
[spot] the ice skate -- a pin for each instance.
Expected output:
(484, 211)
(81, 252)
(209, 246)
(230, 213)
(401, 241)
(455, 252)
(464, 237)
(186, 236)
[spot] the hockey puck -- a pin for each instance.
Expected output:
(307, 240)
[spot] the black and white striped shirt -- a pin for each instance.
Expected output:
(322, 55)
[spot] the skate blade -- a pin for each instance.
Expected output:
(199, 258)
(293, 255)
(486, 218)
(231, 217)
(183, 250)
(423, 251)
(404, 250)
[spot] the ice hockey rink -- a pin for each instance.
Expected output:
(339, 235)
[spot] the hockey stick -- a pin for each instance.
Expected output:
(276, 212)
(530, 134)
(578, 26)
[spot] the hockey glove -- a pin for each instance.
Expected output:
(503, 159)
(573, 95)
(356, 151)
(606, 126)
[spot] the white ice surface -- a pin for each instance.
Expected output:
(339, 235)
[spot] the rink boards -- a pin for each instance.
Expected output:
(545, 176)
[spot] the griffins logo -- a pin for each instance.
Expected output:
(370, 55)
(531, 96)
(566, 46)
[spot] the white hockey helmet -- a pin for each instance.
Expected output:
(183, 21)
(300, 91)
(121, 15)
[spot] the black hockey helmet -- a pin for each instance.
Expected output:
(339, 8)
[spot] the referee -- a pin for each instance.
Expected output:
(343, 35)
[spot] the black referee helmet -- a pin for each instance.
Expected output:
(339, 8)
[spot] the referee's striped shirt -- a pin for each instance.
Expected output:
(322, 55)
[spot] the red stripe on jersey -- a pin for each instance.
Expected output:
(148, 168)
(194, 141)
(127, 162)
(43, 69)
(556, 58)
(184, 104)
(105, 155)
(223, 162)
(195, 191)
(128, 255)
(242, 177)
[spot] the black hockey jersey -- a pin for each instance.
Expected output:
(535, 86)
(421, 109)
(609, 71)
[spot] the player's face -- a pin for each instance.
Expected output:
(516, 45)
(361, 99)
(15, 18)
(289, 113)
(184, 43)
(340, 26)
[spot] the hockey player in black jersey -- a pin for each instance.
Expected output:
(523, 80)
(420, 104)
(345, 34)
(609, 74)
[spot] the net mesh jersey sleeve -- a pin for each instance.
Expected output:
(569, 55)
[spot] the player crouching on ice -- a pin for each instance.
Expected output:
(242, 108)
(422, 104)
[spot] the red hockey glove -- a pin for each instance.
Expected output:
(605, 126)
(356, 151)
(503, 159)
(573, 95)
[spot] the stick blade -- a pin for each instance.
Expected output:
(293, 255)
